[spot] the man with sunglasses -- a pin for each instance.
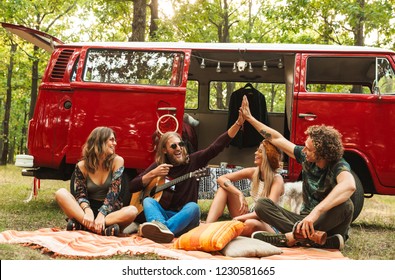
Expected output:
(177, 210)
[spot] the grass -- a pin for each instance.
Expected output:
(371, 237)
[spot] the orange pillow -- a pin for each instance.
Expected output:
(209, 237)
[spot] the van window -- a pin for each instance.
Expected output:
(73, 75)
(340, 74)
(133, 67)
(338, 88)
(192, 95)
(385, 76)
(220, 93)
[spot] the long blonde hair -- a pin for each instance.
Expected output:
(271, 157)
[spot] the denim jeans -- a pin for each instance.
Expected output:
(177, 222)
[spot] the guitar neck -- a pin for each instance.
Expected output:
(173, 182)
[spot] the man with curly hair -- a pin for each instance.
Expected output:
(328, 184)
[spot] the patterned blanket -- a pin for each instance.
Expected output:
(83, 244)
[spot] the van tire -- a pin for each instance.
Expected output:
(357, 198)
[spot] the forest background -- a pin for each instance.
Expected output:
(338, 22)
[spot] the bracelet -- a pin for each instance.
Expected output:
(85, 207)
(236, 123)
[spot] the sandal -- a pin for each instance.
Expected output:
(112, 230)
(74, 225)
(317, 238)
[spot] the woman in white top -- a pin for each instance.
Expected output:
(265, 182)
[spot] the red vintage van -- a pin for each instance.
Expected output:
(141, 88)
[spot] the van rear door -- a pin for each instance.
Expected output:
(36, 37)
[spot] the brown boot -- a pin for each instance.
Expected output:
(318, 237)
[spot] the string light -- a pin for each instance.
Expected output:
(218, 67)
(280, 64)
(202, 65)
(241, 64)
(250, 69)
(234, 69)
(264, 67)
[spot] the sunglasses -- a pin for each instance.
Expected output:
(180, 144)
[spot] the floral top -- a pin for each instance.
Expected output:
(112, 201)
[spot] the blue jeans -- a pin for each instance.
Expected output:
(177, 222)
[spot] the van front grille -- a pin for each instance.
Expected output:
(61, 64)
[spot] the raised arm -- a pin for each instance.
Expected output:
(232, 131)
(275, 137)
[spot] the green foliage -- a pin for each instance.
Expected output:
(276, 21)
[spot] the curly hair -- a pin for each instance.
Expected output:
(327, 142)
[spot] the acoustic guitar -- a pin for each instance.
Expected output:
(156, 187)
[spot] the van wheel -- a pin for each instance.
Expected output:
(358, 196)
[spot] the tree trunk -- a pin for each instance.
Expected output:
(34, 89)
(154, 17)
(225, 30)
(359, 36)
(22, 147)
(7, 111)
(139, 21)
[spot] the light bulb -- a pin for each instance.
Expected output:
(234, 69)
(218, 67)
(202, 65)
(250, 68)
(280, 64)
(264, 67)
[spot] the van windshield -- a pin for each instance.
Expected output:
(133, 67)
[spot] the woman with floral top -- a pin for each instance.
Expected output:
(97, 202)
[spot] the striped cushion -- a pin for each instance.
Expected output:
(209, 237)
